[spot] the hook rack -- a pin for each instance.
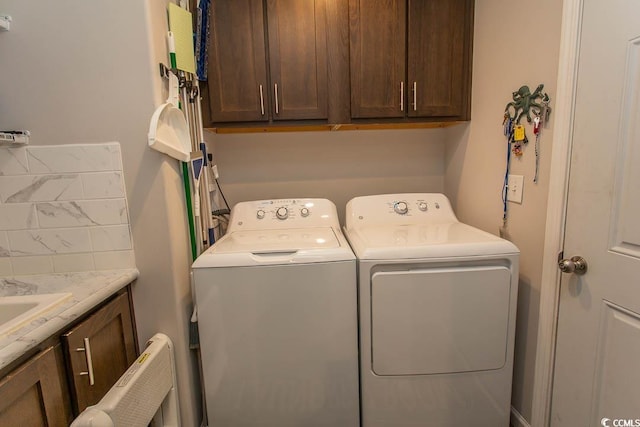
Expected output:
(14, 137)
(5, 22)
(524, 103)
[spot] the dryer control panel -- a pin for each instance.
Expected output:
(406, 208)
(283, 213)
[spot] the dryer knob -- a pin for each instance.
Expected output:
(304, 212)
(282, 213)
(260, 214)
(401, 208)
(422, 206)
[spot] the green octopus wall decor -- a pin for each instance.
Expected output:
(524, 103)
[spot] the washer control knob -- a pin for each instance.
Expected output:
(304, 212)
(401, 208)
(422, 206)
(282, 213)
(260, 214)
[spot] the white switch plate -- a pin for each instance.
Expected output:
(515, 185)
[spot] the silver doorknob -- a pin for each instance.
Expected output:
(576, 264)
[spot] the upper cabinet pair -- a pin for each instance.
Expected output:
(339, 61)
(410, 58)
(246, 84)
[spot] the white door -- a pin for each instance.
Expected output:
(597, 370)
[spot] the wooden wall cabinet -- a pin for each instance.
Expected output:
(267, 60)
(46, 391)
(378, 58)
(410, 58)
(237, 71)
(338, 61)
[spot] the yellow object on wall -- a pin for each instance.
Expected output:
(180, 24)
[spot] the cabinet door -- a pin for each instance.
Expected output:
(378, 52)
(35, 394)
(439, 50)
(99, 350)
(298, 58)
(237, 62)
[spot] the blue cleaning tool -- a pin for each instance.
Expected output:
(202, 35)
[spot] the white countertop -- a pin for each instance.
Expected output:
(88, 288)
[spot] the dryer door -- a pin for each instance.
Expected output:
(440, 320)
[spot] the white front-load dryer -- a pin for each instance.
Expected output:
(437, 305)
(277, 318)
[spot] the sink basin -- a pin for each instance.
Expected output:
(16, 311)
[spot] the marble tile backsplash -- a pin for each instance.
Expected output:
(63, 209)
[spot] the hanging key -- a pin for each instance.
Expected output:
(536, 125)
(546, 111)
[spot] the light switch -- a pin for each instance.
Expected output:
(515, 185)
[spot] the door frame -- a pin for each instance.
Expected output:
(556, 210)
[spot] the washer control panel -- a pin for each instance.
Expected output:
(399, 209)
(283, 210)
(407, 205)
(284, 213)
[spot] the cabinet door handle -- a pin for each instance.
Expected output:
(275, 90)
(401, 96)
(87, 354)
(261, 101)
(415, 96)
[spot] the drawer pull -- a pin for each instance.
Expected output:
(261, 101)
(87, 353)
(401, 96)
(415, 96)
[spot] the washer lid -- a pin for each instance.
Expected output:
(260, 247)
(432, 240)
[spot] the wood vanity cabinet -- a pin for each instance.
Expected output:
(267, 60)
(54, 386)
(410, 59)
(35, 394)
(98, 351)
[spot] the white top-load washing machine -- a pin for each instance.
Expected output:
(437, 314)
(277, 318)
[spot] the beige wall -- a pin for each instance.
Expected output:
(82, 72)
(334, 165)
(515, 43)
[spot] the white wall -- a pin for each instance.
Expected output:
(515, 43)
(334, 165)
(85, 72)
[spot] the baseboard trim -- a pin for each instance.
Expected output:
(518, 420)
